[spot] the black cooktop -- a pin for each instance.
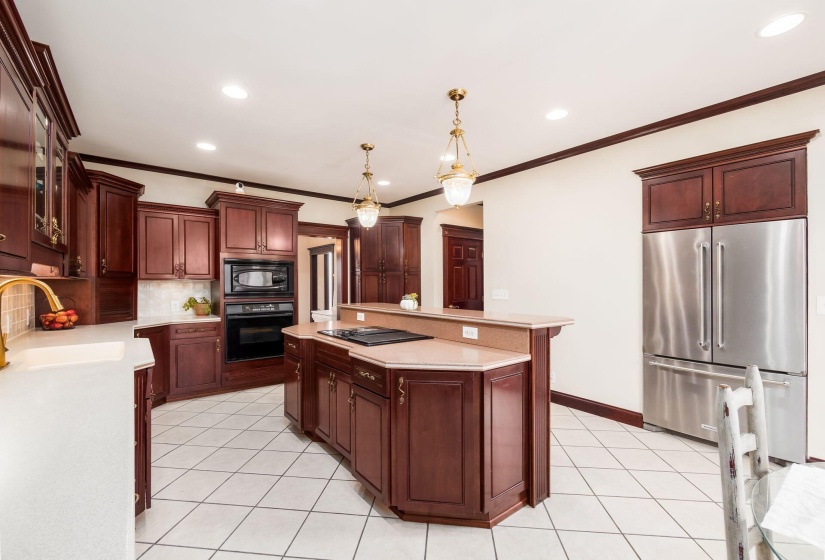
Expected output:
(374, 336)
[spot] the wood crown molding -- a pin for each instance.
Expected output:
(732, 155)
(176, 209)
(16, 41)
(599, 409)
(77, 172)
(322, 230)
(55, 93)
(465, 232)
(220, 196)
(353, 222)
(322, 249)
(103, 178)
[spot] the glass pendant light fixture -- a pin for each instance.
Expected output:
(367, 210)
(457, 182)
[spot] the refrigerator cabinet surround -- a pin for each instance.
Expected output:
(679, 398)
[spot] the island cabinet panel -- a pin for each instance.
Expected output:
(292, 387)
(323, 387)
(679, 200)
(143, 437)
(280, 232)
(436, 436)
(158, 338)
(342, 399)
(158, 245)
(195, 365)
(371, 441)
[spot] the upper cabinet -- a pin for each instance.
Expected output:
(386, 259)
(763, 181)
(176, 242)
(117, 225)
(256, 225)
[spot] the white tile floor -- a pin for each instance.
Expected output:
(231, 481)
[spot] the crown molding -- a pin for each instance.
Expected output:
(221, 196)
(176, 209)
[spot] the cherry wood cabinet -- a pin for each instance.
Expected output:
(386, 259)
(292, 388)
(255, 224)
(176, 242)
(763, 181)
(323, 386)
(158, 338)
(143, 439)
(195, 365)
(81, 217)
(118, 231)
(371, 459)
(343, 404)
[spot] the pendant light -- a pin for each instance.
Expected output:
(457, 182)
(367, 210)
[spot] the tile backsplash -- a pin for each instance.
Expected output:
(17, 316)
(156, 297)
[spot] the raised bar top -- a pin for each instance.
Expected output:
(490, 317)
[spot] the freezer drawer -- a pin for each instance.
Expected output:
(683, 401)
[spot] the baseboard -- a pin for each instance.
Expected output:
(599, 409)
(815, 460)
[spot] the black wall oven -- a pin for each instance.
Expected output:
(253, 330)
(256, 278)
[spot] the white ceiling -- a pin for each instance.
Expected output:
(144, 77)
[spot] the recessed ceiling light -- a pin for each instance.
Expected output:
(235, 92)
(383, 183)
(447, 157)
(556, 114)
(205, 146)
(781, 25)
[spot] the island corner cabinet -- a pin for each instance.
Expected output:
(445, 430)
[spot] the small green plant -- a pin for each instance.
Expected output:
(411, 297)
(204, 304)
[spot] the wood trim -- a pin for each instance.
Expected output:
(732, 155)
(54, 91)
(464, 232)
(599, 409)
(220, 196)
(311, 229)
(78, 173)
(322, 249)
(175, 209)
(768, 94)
(90, 158)
(103, 178)
(16, 41)
(815, 460)
(415, 220)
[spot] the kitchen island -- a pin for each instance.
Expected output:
(449, 430)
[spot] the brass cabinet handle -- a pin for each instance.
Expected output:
(292, 345)
(2, 237)
(351, 401)
(103, 267)
(137, 335)
(707, 211)
(217, 345)
(366, 374)
(298, 371)
(401, 390)
(137, 497)
(56, 231)
(332, 382)
(718, 210)
(181, 331)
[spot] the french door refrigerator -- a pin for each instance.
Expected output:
(716, 300)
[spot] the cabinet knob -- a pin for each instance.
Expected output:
(103, 266)
(137, 335)
(217, 345)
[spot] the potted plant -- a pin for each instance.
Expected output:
(202, 307)
(409, 302)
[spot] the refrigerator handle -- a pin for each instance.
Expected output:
(703, 337)
(720, 302)
(714, 374)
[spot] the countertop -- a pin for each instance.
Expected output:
(489, 317)
(419, 354)
(67, 455)
(163, 320)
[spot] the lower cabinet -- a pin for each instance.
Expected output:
(143, 437)
(292, 388)
(158, 338)
(194, 365)
(334, 407)
(371, 441)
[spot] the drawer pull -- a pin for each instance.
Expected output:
(186, 330)
(331, 382)
(298, 371)
(292, 345)
(137, 497)
(351, 401)
(366, 374)
(401, 390)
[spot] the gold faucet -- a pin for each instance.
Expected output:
(54, 303)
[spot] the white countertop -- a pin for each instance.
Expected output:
(67, 449)
(162, 320)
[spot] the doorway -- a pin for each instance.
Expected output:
(321, 271)
(463, 267)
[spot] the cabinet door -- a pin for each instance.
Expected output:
(412, 260)
(195, 365)
(280, 232)
(342, 426)
(157, 245)
(42, 177)
(761, 188)
(412, 284)
(118, 233)
(371, 284)
(392, 246)
(677, 201)
(393, 287)
(371, 249)
(79, 224)
(371, 441)
(197, 247)
(142, 440)
(292, 389)
(323, 388)
(60, 201)
(159, 340)
(435, 435)
(240, 228)
(16, 173)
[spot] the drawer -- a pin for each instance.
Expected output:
(292, 345)
(194, 330)
(333, 356)
(372, 377)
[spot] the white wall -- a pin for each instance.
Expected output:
(565, 239)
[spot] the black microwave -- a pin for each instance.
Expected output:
(254, 278)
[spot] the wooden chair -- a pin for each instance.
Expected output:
(736, 490)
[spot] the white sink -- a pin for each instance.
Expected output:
(78, 354)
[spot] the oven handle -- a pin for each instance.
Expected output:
(261, 315)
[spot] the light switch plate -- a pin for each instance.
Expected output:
(175, 305)
(552, 377)
(820, 305)
(501, 294)
(359, 316)
(469, 332)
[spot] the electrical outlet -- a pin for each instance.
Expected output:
(501, 294)
(469, 332)
(359, 316)
(552, 377)
(176, 308)
(820, 305)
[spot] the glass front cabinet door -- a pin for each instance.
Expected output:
(50, 201)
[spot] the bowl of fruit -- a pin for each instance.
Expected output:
(59, 320)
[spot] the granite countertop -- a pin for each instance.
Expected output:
(419, 354)
(489, 317)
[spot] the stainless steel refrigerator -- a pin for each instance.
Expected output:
(718, 299)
